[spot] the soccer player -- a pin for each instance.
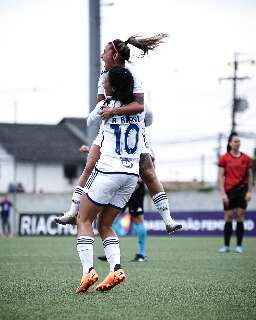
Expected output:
(117, 53)
(5, 206)
(235, 182)
(112, 182)
(136, 209)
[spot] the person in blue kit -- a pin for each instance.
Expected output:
(5, 208)
(136, 209)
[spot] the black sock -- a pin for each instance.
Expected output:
(117, 267)
(239, 232)
(227, 233)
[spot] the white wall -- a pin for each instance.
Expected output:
(41, 177)
(50, 178)
(6, 169)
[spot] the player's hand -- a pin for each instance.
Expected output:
(225, 198)
(248, 196)
(106, 113)
(84, 148)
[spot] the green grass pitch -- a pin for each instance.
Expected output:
(184, 278)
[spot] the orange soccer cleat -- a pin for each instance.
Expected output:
(111, 280)
(87, 281)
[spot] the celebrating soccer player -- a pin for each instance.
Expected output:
(117, 53)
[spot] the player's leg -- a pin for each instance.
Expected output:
(138, 223)
(127, 184)
(156, 190)
(98, 195)
(111, 248)
(241, 204)
(87, 213)
(228, 216)
(240, 215)
(92, 158)
(4, 220)
(8, 227)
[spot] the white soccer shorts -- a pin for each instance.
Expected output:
(114, 189)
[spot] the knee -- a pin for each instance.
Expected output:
(228, 217)
(240, 217)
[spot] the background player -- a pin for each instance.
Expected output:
(235, 182)
(136, 209)
(5, 207)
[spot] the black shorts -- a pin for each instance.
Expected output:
(135, 204)
(236, 197)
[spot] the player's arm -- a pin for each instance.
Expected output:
(148, 116)
(221, 180)
(94, 115)
(248, 195)
(134, 107)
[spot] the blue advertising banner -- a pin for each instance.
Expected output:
(43, 224)
(195, 223)
(198, 223)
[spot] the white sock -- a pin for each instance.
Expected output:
(161, 202)
(85, 250)
(74, 207)
(112, 251)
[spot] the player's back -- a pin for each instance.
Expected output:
(121, 143)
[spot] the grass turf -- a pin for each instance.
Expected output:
(184, 278)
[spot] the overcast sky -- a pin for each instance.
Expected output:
(44, 68)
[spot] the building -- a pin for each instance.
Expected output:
(42, 158)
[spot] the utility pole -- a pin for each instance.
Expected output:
(236, 100)
(94, 59)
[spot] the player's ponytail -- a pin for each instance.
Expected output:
(144, 44)
(230, 138)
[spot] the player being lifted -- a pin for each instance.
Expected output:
(111, 183)
(117, 53)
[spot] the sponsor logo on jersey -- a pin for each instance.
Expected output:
(126, 162)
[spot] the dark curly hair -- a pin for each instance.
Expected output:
(122, 83)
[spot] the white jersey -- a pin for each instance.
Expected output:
(146, 114)
(121, 142)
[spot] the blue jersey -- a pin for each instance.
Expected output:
(5, 206)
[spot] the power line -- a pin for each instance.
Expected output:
(236, 101)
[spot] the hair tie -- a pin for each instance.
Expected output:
(113, 45)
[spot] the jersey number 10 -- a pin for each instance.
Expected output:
(125, 136)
